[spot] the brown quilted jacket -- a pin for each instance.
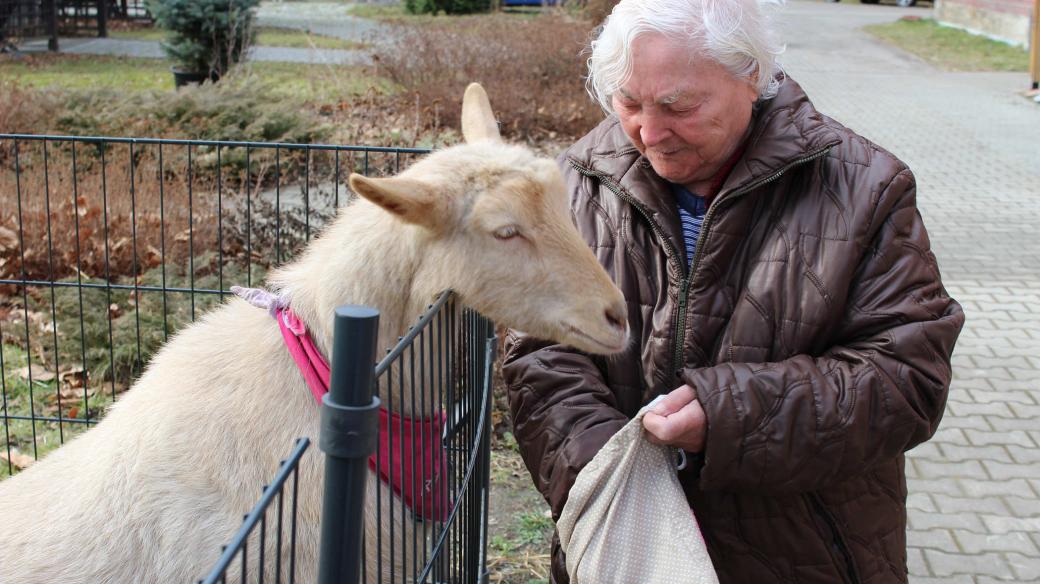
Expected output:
(813, 325)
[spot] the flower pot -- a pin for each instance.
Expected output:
(182, 78)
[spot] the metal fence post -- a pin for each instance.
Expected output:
(1034, 46)
(102, 18)
(349, 431)
(52, 25)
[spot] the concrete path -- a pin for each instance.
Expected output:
(974, 145)
(325, 18)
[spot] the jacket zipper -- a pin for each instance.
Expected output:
(687, 276)
(669, 251)
(706, 230)
(837, 541)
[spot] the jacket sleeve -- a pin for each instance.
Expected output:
(877, 391)
(563, 412)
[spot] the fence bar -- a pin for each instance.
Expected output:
(214, 143)
(1034, 46)
(52, 25)
(289, 467)
(349, 432)
(102, 18)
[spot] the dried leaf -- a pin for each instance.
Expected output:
(74, 379)
(8, 239)
(38, 374)
(74, 393)
(19, 460)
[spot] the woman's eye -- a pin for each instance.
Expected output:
(507, 232)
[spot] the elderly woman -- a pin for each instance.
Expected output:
(781, 293)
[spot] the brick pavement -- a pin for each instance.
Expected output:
(974, 145)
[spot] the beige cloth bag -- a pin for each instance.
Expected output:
(627, 521)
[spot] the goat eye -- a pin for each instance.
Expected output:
(507, 232)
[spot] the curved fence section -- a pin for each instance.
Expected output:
(280, 537)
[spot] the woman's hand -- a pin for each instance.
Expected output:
(677, 420)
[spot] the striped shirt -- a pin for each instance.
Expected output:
(691, 215)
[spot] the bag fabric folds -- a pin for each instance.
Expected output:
(626, 520)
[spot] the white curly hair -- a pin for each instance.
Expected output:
(737, 34)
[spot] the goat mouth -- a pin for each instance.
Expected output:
(613, 348)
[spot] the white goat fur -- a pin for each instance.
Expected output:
(152, 492)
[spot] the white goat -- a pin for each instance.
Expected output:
(151, 492)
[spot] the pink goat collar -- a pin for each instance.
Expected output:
(424, 489)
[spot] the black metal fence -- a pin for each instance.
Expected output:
(108, 246)
(53, 18)
(430, 527)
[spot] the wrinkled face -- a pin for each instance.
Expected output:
(687, 117)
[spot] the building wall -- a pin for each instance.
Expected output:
(1005, 19)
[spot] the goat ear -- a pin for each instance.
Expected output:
(410, 200)
(478, 121)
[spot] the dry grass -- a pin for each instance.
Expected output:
(532, 68)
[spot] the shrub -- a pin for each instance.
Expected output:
(24, 110)
(446, 6)
(239, 109)
(532, 68)
(206, 36)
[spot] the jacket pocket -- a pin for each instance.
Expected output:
(830, 531)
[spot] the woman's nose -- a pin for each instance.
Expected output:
(652, 132)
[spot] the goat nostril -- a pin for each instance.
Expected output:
(616, 318)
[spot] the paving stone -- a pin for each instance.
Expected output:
(958, 579)
(1020, 506)
(920, 521)
(989, 564)
(997, 452)
(915, 563)
(952, 487)
(974, 543)
(1009, 361)
(950, 435)
(1003, 471)
(1023, 455)
(993, 505)
(1002, 524)
(989, 395)
(934, 470)
(936, 539)
(1001, 409)
(1025, 411)
(977, 423)
(984, 487)
(981, 438)
(1026, 568)
(931, 451)
(990, 580)
(923, 502)
(1008, 424)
